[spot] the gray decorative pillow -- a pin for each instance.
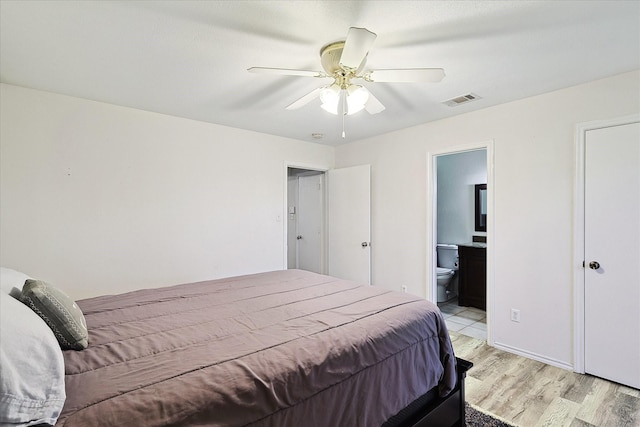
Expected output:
(60, 312)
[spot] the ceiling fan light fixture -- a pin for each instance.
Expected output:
(357, 97)
(330, 97)
(330, 108)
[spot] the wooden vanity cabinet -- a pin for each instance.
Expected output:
(472, 284)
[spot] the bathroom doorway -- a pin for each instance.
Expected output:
(456, 178)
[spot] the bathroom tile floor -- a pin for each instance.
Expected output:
(468, 321)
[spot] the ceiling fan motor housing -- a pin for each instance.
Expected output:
(330, 59)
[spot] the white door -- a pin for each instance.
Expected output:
(310, 221)
(349, 234)
(612, 253)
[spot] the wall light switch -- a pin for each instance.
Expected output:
(515, 315)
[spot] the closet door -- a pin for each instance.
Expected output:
(612, 253)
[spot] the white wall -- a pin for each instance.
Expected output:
(102, 199)
(534, 173)
(458, 175)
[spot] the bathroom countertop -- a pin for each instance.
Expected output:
(474, 244)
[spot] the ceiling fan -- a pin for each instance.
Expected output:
(344, 61)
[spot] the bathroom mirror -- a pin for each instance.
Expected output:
(481, 207)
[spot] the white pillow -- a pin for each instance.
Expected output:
(31, 367)
(11, 279)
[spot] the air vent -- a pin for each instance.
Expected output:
(458, 100)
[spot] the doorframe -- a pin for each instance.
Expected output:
(432, 223)
(285, 209)
(579, 232)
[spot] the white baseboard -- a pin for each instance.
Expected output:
(534, 356)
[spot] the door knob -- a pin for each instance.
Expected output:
(364, 244)
(594, 265)
(299, 237)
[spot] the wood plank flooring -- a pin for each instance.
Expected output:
(529, 393)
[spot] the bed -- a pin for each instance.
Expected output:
(283, 348)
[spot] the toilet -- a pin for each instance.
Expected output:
(446, 271)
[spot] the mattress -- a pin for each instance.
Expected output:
(283, 348)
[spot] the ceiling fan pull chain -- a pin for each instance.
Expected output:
(344, 110)
(343, 134)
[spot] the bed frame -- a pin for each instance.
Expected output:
(433, 411)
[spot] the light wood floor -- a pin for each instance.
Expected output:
(528, 393)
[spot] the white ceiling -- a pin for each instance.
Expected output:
(189, 58)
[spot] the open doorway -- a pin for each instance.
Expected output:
(341, 221)
(306, 220)
(460, 183)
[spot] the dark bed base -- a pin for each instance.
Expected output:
(433, 411)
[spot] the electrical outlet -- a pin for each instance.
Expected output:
(515, 315)
(404, 288)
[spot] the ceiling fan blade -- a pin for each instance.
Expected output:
(373, 105)
(406, 75)
(286, 72)
(305, 99)
(356, 47)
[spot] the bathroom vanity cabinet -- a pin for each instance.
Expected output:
(472, 284)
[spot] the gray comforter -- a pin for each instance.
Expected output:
(285, 348)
